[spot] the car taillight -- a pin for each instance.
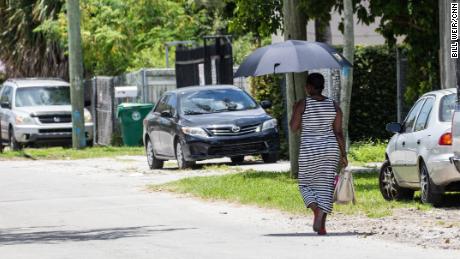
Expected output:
(445, 139)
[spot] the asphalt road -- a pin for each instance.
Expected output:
(100, 209)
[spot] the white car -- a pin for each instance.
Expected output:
(37, 111)
(418, 156)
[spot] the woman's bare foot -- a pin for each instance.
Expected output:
(322, 229)
(317, 223)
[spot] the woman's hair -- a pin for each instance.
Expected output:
(316, 80)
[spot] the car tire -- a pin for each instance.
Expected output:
(14, 144)
(181, 162)
(237, 160)
(428, 189)
(153, 162)
(388, 186)
(270, 158)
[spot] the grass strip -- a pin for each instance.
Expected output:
(279, 191)
(59, 153)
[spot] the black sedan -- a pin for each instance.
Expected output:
(197, 123)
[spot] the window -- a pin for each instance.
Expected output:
(172, 103)
(409, 122)
(6, 95)
(162, 105)
(447, 107)
(215, 100)
(422, 119)
(43, 96)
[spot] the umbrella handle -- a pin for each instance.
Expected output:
(274, 67)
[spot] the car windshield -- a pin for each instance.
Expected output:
(447, 107)
(215, 100)
(43, 96)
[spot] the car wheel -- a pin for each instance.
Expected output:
(153, 162)
(428, 188)
(270, 157)
(237, 159)
(181, 162)
(14, 145)
(389, 187)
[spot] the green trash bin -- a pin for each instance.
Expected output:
(131, 116)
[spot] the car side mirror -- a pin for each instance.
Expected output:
(166, 114)
(394, 127)
(266, 104)
(5, 105)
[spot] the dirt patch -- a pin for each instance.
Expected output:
(438, 228)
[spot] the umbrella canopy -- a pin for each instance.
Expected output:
(292, 56)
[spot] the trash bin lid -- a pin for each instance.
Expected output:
(128, 106)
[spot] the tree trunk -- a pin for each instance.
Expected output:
(347, 72)
(295, 28)
(323, 31)
(447, 64)
(76, 74)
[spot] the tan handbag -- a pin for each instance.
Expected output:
(344, 190)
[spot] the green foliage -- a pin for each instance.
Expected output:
(126, 35)
(418, 22)
(243, 46)
(367, 152)
(29, 46)
(269, 88)
(262, 18)
(373, 100)
(118, 35)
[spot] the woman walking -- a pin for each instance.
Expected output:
(322, 147)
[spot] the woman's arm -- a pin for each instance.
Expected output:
(296, 119)
(338, 131)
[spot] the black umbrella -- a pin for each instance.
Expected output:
(291, 56)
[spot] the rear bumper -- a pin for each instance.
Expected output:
(214, 147)
(442, 170)
(26, 134)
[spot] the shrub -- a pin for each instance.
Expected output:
(373, 100)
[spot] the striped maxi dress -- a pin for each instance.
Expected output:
(319, 153)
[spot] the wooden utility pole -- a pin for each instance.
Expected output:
(295, 28)
(447, 64)
(76, 74)
(347, 72)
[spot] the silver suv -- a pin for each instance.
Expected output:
(37, 111)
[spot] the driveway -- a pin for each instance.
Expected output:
(100, 209)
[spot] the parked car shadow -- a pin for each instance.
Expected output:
(18, 236)
(450, 200)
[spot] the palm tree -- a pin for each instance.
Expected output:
(28, 49)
